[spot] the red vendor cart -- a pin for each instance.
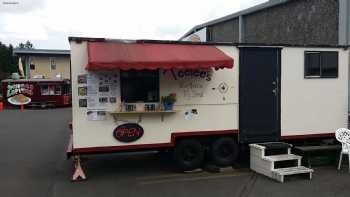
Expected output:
(36, 92)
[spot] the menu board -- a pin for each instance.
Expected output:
(102, 88)
(82, 90)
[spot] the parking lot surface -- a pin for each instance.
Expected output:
(33, 163)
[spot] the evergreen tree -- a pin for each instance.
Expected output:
(8, 63)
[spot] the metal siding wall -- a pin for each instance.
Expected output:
(344, 30)
(344, 7)
(226, 31)
(304, 22)
(297, 22)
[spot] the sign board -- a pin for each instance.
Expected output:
(102, 89)
(17, 94)
(128, 132)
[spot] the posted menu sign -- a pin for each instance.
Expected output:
(102, 88)
(97, 91)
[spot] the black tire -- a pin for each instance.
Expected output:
(224, 151)
(189, 154)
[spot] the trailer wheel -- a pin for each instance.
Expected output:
(189, 154)
(224, 151)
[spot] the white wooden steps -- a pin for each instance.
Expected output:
(275, 160)
(281, 172)
(284, 157)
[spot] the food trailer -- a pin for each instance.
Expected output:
(220, 96)
(36, 92)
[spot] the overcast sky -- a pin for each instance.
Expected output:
(48, 23)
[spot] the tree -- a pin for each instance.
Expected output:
(21, 45)
(8, 63)
(26, 45)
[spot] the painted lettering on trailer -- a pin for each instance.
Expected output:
(180, 74)
(14, 89)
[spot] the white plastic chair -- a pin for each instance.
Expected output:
(343, 136)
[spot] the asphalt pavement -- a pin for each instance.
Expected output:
(33, 163)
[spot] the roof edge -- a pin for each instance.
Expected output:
(41, 51)
(81, 39)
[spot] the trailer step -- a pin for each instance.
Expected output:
(284, 157)
(276, 166)
(281, 172)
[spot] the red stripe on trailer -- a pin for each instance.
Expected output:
(309, 136)
(107, 149)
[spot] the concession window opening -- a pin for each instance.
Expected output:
(153, 56)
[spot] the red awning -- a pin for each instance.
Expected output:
(125, 56)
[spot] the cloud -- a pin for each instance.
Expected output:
(21, 6)
(23, 27)
(48, 23)
(250, 3)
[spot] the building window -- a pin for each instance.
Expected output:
(57, 90)
(32, 66)
(321, 64)
(133, 91)
(49, 90)
(66, 90)
(52, 63)
(44, 90)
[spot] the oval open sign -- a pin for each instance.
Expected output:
(128, 132)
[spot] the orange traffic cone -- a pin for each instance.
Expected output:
(1, 106)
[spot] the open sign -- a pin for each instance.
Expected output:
(128, 132)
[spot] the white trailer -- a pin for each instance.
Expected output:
(226, 95)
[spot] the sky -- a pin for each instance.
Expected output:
(48, 23)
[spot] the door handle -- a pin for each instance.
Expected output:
(276, 87)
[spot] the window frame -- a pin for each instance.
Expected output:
(122, 82)
(41, 88)
(32, 66)
(51, 89)
(320, 76)
(60, 89)
(53, 63)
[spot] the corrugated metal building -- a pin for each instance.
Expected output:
(281, 22)
(300, 22)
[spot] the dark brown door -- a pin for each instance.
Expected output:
(259, 94)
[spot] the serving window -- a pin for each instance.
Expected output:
(139, 86)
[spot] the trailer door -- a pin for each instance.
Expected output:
(259, 94)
